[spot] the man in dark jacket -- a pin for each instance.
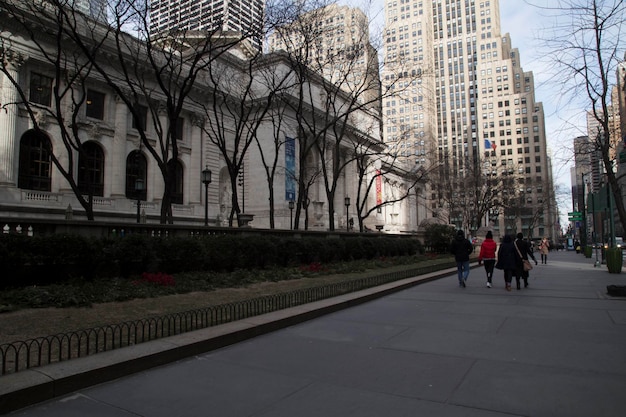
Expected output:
(461, 249)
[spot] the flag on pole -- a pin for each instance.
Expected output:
(487, 144)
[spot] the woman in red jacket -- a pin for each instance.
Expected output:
(488, 256)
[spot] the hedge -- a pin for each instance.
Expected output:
(41, 260)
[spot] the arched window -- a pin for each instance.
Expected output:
(35, 161)
(136, 168)
(91, 169)
(177, 192)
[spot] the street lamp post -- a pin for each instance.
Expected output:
(594, 234)
(291, 206)
(347, 203)
(206, 180)
(140, 185)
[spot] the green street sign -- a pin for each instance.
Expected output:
(574, 214)
(574, 219)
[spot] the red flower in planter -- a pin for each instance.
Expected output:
(158, 278)
(313, 267)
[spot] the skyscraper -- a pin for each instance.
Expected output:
(334, 41)
(94, 8)
(466, 104)
(245, 16)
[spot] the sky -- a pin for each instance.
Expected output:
(564, 120)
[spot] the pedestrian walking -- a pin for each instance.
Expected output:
(524, 250)
(461, 249)
(544, 248)
(507, 260)
(487, 256)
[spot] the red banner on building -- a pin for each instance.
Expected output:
(379, 188)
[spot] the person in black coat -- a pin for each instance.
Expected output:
(507, 260)
(525, 250)
(461, 249)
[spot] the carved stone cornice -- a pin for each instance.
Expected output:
(197, 120)
(12, 59)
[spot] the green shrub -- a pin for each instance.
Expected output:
(50, 259)
(178, 254)
(40, 260)
(135, 254)
(438, 237)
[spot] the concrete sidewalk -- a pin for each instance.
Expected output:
(557, 348)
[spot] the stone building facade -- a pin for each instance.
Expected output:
(112, 154)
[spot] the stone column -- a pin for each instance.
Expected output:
(196, 165)
(117, 164)
(8, 120)
(158, 185)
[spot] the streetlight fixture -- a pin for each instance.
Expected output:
(291, 206)
(347, 203)
(594, 234)
(206, 180)
(140, 186)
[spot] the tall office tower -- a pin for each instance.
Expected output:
(621, 110)
(593, 152)
(245, 16)
(471, 108)
(621, 99)
(334, 41)
(582, 182)
(595, 132)
(615, 122)
(94, 8)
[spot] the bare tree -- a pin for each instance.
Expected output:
(296, 38)
(487, 186)
(154, 74)
(270, 158)
(347, 90)
(59, 100)
(586, 48)
(377, 167)
(240, 100)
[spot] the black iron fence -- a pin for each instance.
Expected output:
(21, 355)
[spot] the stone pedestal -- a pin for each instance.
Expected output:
(245, 219)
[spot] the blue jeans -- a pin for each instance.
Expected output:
(463, 269)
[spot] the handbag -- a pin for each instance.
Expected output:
(525, 262)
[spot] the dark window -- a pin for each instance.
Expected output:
(136, 168)
(35, 162)
(180, 129)
(177, 192)
(91, 169)
(95, 104)
(139, 122)
(40, 89)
